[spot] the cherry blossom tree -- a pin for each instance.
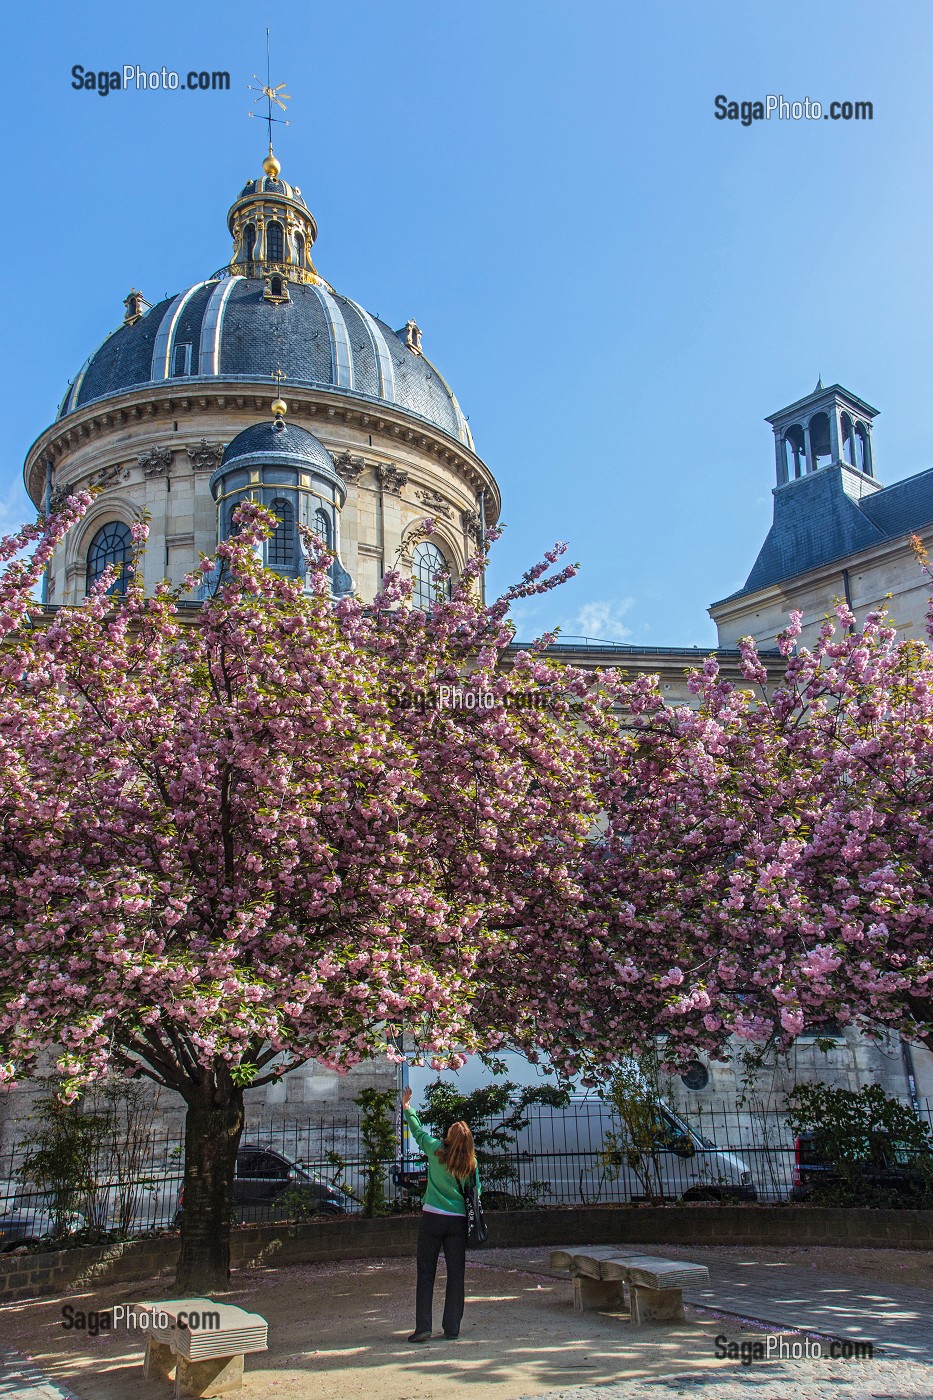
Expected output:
(239, 837)
(765, 862)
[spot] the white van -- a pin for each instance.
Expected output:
(566, 1149)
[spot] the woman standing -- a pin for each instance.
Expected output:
(443, 1221)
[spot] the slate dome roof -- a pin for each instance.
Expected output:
(277, 441)
(226, 329)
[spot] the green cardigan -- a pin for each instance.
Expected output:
(443, 1191)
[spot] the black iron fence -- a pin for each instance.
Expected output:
(292, 1169)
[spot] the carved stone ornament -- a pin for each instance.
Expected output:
(391, 477)
(58, 498)
(205, 456)
(472, 524)
(108, 476)
(349, 468)
(157, 461)
(435, 502)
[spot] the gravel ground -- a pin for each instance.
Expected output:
(337, 1332)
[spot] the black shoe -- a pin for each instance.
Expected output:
(420, 1337)
(451, 1336)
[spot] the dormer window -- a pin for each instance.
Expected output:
(275, 242)
(135, 304)
(276, 288)
(181, 361)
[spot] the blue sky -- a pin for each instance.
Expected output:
(617, 285)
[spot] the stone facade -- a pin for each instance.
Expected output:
(152, 452)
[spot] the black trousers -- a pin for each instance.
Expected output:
(437, 1232)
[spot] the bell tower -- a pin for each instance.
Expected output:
(830, 427)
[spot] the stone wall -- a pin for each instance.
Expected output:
(74, 1271)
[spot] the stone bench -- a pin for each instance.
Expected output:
(207, 1359)
(601, 1273)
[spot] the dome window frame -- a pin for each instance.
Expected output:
(111, 543)
(282, 545)
(275, 241)
(428, 590)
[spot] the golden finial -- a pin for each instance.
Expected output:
(279, 408)
(271, 166)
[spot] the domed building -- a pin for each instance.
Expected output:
(173, 415)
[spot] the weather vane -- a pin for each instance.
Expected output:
(271, 94)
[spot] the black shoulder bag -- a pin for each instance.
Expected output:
(477, 1229)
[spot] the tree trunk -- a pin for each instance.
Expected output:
(213, 1125)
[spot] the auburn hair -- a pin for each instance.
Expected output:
(457, 1152)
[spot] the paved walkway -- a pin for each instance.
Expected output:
(879, 1380)
(783, 1296)
(19, 1378)
(897, 1319)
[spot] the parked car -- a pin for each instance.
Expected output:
(566, 1152)
(27, 1220)
(269, 1185)
(893, 1171)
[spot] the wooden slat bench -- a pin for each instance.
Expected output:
(208, 1360)
(601, 1273)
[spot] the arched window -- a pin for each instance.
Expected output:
(321, 527)
(112, 544)
(427, 563)
(249, 241)
(281, 544)
(275, 286)
(275, 242)
(821, 453)
(300, 249)
(862, 449)
(848, 439)
(795, 454)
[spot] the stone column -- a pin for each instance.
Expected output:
(780, 457)
(835, 434)
(808, 452)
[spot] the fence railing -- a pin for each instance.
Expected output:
(290, 1169)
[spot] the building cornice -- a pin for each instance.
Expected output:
(152, 403)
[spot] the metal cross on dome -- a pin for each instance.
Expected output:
(271, 94)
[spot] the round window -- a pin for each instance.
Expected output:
(695, 1076)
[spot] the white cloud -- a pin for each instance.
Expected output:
(602, 620)
(15, 509)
